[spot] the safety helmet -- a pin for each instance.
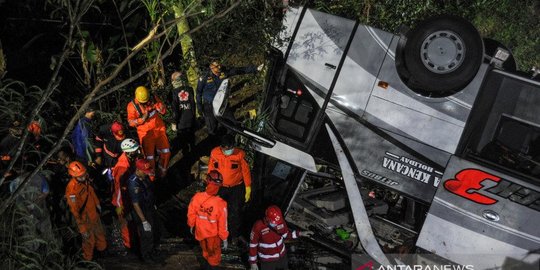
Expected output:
(141, 94)
(118, 130)
(214, 177)
(273, 215)
(76, 169)
(129, 145)
(35, 128)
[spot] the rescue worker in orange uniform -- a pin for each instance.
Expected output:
(143, 113)
(85, 207)
(236, 189)
(121, 172)
(207, 219)
(267, 241)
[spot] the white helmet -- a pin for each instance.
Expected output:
(129, 145)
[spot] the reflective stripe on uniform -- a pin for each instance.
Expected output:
(164, 150)
(272, 256)
(253, 245)
(294, 235)
(119, 198)
(109, 152)
(206, 218)
(149, 157)
(253, 258)
(273, 245)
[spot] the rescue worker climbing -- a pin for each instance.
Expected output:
(236, 190)
(143, 113)
(144, 210)
(207, 220)
(207, 88)
(86, 209)
(123, 169)
(267, 241)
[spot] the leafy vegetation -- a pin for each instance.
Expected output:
(513, 23)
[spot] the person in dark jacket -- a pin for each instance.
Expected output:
(82, 138)
(183, 109)
(144, 212)
(108, 140)
(209, 84)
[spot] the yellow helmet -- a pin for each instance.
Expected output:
(141, 94)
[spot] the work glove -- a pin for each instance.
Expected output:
(119, 211)
(146, 226)
(248, 193)
(225, 244)
(254, 267)
(191, 230)
(173, 127)
(85, 235)
(306, 233)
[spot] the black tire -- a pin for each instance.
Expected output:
(441, 56)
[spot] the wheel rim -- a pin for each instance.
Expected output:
(442, 52)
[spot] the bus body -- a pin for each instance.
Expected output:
(453, 173)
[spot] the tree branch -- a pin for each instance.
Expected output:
(89, 99)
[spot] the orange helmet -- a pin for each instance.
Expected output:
(273, 215)
(76, 169)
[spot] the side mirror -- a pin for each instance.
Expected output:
(220, 99)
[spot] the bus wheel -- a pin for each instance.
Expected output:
(441, 55)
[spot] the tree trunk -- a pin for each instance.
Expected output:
(188, 53)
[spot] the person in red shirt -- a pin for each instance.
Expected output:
(85, 207)
(236, 189)
(267, 241)
(143, 113)
(207, 218)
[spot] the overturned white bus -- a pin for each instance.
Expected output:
(423, 142)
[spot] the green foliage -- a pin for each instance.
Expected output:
(26, 242)
(246, 33)
(502, 20)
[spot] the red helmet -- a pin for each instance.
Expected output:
(35, 128)
(118, 130)
(76, 169)
(273, 215)
(214, 177)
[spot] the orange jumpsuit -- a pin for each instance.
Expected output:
(84, 204)
(235, 171)
(152, 135)
(233, 168)
(121, 171)
(209, 216)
